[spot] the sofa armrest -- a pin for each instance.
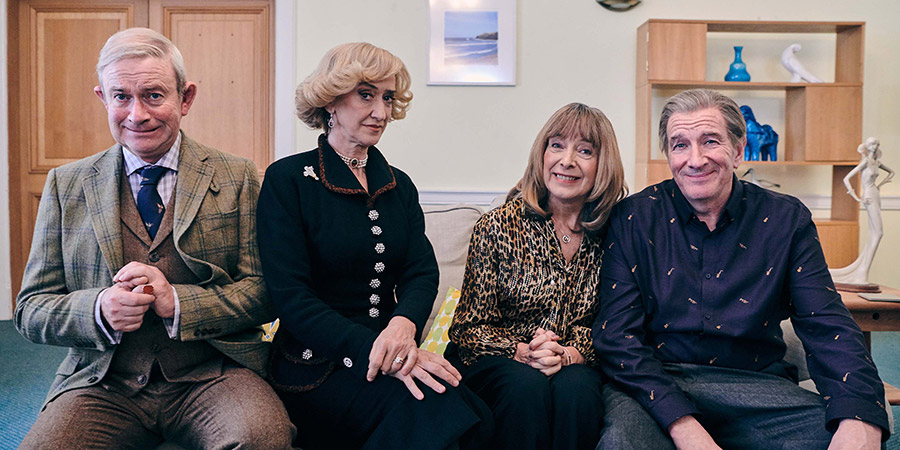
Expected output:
(795, 353)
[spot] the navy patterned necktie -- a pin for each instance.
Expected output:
(149, 203)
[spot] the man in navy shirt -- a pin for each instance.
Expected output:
(698, 273)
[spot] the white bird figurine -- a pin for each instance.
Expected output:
(790, 62)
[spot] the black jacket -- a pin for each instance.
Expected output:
(335, 258)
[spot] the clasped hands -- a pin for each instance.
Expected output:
(123, 305)
(394, 353)
(545, 354)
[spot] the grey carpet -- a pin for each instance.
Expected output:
(886, 353)
(26, 371)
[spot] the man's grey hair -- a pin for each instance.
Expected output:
(697, 99)
(141, 43)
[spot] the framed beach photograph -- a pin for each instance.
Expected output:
(472, 42)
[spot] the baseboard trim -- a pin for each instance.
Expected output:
(485, 198)
(480, 198)
(888, 203)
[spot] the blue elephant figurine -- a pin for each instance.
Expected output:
(755, 135)
(768, 146)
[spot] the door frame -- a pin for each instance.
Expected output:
(284, 122)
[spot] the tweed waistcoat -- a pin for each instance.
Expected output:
(135, 356)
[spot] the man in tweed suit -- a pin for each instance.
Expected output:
(159, 309)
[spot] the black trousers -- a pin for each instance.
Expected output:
(532, 411)
(347, 412)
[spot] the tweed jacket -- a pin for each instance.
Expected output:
(77, 249)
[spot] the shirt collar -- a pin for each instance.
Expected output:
(734, 207)
(169, 160)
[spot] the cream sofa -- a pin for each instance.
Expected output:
(449, 228)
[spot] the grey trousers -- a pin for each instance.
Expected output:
(236, 410)
(740, 409)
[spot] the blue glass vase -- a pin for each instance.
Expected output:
(738, 70)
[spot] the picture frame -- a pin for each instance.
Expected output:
(472, 42)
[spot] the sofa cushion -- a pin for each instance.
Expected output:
(438, 337)
(795, 353)
(449, 228)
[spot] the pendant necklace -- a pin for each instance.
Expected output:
(566, 238)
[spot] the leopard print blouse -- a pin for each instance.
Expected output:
(517, 279)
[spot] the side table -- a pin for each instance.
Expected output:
(876, 316)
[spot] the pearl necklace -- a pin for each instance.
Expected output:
(353, 163)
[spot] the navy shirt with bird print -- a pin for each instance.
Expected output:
(672, 291)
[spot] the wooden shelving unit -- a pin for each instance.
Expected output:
(823, 121)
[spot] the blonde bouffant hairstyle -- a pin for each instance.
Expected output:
(340, 71)
(576, 119)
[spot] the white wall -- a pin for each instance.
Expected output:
(475, 138)
(5, 289)
(285, 76)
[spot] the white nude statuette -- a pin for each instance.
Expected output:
(868, 168)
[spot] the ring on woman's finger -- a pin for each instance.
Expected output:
(398, 360)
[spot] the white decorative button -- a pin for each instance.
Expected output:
(552, 282)
(348, 362)
(376, 230)
(379, 267)
(375, 283)
(307, 354)
(379, 248)
(373, 215)
(374, 299)
(373, 312)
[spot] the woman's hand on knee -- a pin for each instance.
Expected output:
(436, 365)
(394, 350)
(419, 373)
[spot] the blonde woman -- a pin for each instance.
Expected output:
(341, 233)
(531, 289)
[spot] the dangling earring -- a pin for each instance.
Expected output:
(331, 121)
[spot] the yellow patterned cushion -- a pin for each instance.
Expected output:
(437, 339)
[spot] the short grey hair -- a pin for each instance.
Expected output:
(141, 43)
(697, 99)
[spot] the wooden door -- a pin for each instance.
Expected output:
(55, 118)
(227, 47)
